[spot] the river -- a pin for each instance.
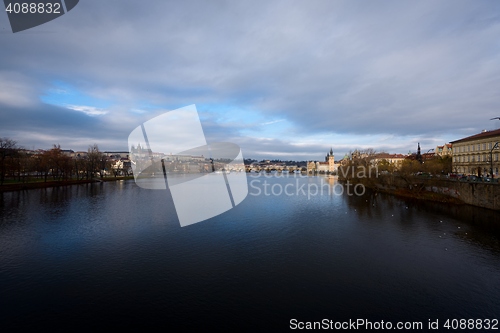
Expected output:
(113, 255)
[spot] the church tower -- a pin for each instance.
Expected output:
(331, 161)
(419, 155)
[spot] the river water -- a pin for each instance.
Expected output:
(114, 255)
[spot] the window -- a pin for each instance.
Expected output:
(478, 146)
(468, 158)
(489, 145)
(484, 146)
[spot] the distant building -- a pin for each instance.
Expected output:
(429, 156)
(140, 153)
(395, 160)
(471, 155)
(81, 154)
(444, 150)
(356, 155)
(345, 160)
(328, 166)
(117, 154)
(68, 152)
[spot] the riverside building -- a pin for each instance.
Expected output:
(477, 154)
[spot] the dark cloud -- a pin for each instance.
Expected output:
(44, 125)
(411, 71)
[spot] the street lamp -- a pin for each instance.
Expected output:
(495, 146)
(427, 153)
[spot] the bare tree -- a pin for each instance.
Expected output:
(359, 165)
(97, 162)
(8, 149)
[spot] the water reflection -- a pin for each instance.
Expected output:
(478, 225)
(99, 251)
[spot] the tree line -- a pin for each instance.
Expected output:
(21, 165)
(362, 161)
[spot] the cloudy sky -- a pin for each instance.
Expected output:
(283, 79)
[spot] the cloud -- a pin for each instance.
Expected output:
(88, 110)
(16, 89)
(341, 72)
(273, 122)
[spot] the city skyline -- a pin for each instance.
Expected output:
(338, 158)
(282, 81)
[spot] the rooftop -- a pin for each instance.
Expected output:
(387, 155)
(482, 135)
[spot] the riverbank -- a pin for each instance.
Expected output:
(56, 183)
(422, 195)
(485, 195)
(412, 194)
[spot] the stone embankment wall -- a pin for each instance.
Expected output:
(481, 194)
